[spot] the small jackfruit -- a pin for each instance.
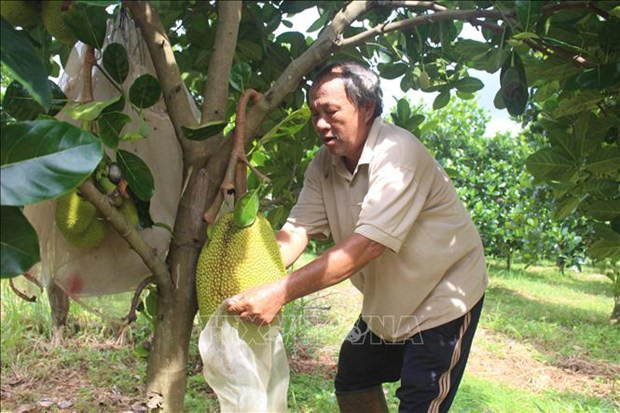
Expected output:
(20, 13)
(235, 259)
(92, 237)
(54, 22)
(73, 213)
(129, 210)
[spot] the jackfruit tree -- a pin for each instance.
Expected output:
(558, 64)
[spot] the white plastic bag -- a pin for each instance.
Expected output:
(245, 364)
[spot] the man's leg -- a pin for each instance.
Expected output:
(364, 363)
(433, 364)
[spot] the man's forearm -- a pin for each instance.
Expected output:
(336, 264)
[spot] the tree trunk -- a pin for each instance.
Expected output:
(59, 305)
(615, 314)
(508, 261)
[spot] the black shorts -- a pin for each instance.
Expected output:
(429, 364)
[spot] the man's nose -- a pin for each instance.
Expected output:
(320, 124)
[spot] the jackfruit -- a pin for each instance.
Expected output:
(73, 214)
(92, 237)
(129, 210)
(20, 13)
(54, 22)
(235, 259)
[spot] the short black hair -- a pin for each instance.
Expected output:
(361, 84)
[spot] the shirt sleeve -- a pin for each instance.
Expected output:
(396, 196)
(309, 215)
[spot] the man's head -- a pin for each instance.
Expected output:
(344, 100)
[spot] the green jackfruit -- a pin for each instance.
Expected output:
(20, 13)
(54, 22)
(236, 259)
(129, 210)
(92, 237)
(74, 214)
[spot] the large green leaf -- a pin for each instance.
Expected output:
(91, 110)
(565, 207)
(600, 77)
(441, 100)
(528, 12)
(19, 245)
(604, 210)
(144, 91)
(18, 102)
(88, 23)
(115, 62)
(110, 126)
(605, 248)
(205, 131)
(240, 75)
(137, 174)
(604, 160)
(289, 126)
(391, 70)
(24, 63)
(43, 159)
(246, 209)
(468, 85)
(548, 163)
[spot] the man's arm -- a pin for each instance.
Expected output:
(262, 304)
(292, 245)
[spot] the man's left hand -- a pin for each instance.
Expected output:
(259, 305)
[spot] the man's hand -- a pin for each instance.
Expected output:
(259, 305)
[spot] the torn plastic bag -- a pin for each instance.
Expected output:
(245, 364)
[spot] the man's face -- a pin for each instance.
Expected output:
(342, 126)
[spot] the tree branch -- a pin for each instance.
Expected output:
(168, 74)
(135, 301)
(124, 228)
(222, 54)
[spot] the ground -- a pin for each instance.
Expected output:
(544, 344)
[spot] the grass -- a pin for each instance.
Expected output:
(544, 345)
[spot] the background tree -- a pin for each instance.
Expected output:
(562, 57)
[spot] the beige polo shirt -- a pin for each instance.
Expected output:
(434, 269)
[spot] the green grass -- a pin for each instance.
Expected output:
(550, 317)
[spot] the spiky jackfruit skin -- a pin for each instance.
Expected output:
(20, 12)
(52, 15)
(73, 214)
(92, 237)
(236, 259)
(129, 210)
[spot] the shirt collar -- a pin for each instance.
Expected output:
(367, 151)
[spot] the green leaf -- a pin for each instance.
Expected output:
(43, 159)
(605, 248)
(604, 160)
(600, 77)
(115, 62)
(579, 102)
(19, 245)
(318, 23)
(498, 100)
(205, 131)
(528, 12)
(110, 126)
(24, 64)
(392, 70)
(604, 210)
(441, 100)
(18, 102)
(137, 174)
(144, 91)
(565, 207)
(468, 85)
(289, 126)
(91, 110)
(88, 23)
(240, 76)
(246, 209)
(549, 164)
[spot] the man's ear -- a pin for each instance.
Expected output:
(369, 109)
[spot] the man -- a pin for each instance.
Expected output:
(403, 238)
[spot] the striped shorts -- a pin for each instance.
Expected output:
(429, 364)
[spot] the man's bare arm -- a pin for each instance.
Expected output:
(292, 245)
(334, 265)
